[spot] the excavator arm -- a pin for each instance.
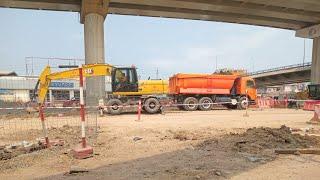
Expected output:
(88, 70)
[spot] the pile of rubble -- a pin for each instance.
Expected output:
(255, 140)
(24, 147)
(260, 143)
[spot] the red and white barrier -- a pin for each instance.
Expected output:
(44, 126)
(316, 116)
(139, 109)
(310, 105)
(263, 103)
(82, 150)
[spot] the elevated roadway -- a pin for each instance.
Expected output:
(286, 14)
(302, 16)
(297, 73)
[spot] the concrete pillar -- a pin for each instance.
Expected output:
(315, 67)
(50, 97)
(94, 54)
(71, 94)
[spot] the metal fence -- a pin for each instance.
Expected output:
(20, 125)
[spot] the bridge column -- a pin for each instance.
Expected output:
(315, 67)
(313, 32)
(93, 13)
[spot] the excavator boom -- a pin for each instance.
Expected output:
(89, 70)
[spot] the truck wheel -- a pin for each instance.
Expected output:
(152, 105)
(243, 103)
(205, 104)
(190, 104)
(114, 106)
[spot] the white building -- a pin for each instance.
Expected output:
(21, 89)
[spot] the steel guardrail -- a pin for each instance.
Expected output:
(302, 65)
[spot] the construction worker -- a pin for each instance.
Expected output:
(121, 80)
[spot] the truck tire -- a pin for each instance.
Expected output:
(190, 104)
(243, 103)
(114, 106)
(205, 104)
(152, 105)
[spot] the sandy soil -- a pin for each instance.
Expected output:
(177, 145)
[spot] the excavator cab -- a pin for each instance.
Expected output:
(124, 79)
(314, 91)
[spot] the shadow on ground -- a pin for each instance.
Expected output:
(217, 158)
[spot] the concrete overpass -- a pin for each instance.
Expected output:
(300, 16)
(297, 73)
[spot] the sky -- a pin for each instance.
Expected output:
(169, 45)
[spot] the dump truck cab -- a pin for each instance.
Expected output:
(246, 86)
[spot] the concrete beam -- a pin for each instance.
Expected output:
(315, 67)
(291, 15)
(309, 32)
(94, 6)
(307, 5)
(203, 15)
(228, 6)
(56, 5)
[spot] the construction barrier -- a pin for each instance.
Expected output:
(139, 110)
(22, 130)
(264, 103)
(316, 116)
(279, 103)
(310, 105)
(28, 123)
(82, 150)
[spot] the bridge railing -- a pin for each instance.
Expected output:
(307, 64)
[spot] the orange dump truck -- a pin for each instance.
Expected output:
(206, 89)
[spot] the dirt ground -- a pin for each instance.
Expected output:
(218, 144)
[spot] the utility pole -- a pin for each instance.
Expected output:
(216, 63)
(32, 72)
(26, 61)
(252, 64)
(157, 74)
(304, 52)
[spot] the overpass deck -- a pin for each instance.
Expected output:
(286, 14)
(297, 73)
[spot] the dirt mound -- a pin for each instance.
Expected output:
(70, 135)
(260, 141)
(254, 140)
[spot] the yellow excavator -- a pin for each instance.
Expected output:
(126, 88)
(314, 91)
